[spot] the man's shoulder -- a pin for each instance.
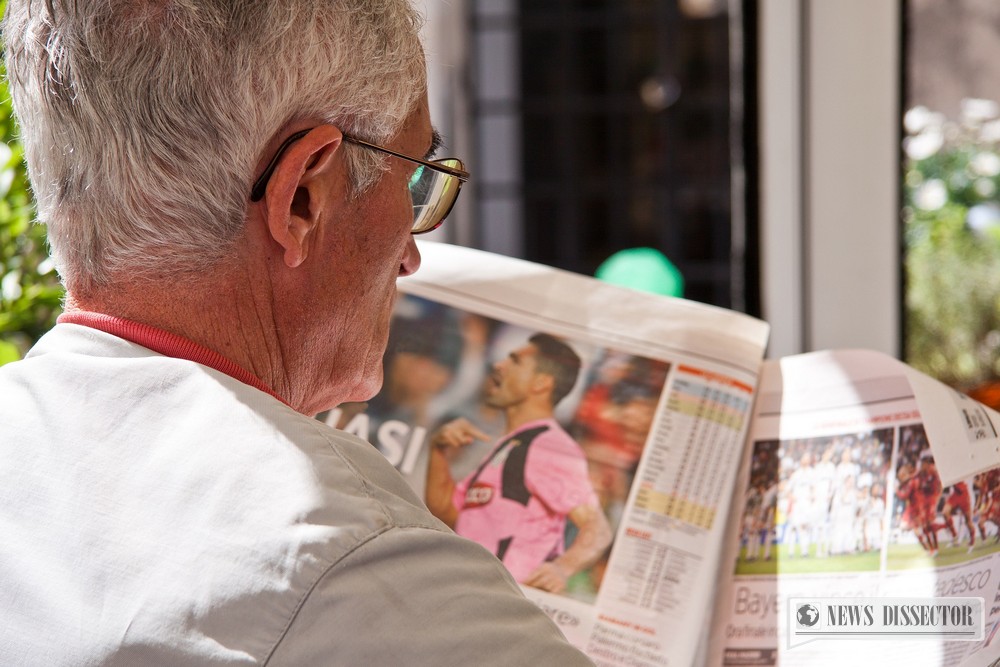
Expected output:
(432, 599)
(190, 487)
(550, 435)
(340, 456)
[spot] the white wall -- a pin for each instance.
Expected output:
(830, 75)
(445, 43)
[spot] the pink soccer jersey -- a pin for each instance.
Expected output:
(516, 503)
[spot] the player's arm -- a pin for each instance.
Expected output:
(440, 487)
(593, 537)
(904, 475)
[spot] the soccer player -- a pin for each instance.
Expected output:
(518, 501)
(958, 499)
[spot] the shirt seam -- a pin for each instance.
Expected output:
(390, 525)
(327, 570)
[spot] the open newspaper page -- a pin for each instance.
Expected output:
(863, 479)
(586, 434)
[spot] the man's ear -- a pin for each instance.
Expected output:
(302, 184)
(543, 383)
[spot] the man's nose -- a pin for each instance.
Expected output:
(411, 258)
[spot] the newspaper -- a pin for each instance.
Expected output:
(633, 462)
(862, 478)
(658, 414)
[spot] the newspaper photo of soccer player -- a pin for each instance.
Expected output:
(520, 440)
(936, 525)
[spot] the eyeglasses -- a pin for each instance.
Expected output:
(434, 185)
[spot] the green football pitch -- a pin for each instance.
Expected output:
(899, 557)
(782, 563)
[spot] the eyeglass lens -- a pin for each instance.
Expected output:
(433, 194)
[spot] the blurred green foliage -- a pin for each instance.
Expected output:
(30, 293)
(952, 240)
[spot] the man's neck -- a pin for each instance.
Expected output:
(219, 314)
(523, 413)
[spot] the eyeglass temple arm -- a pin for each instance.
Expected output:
(460, 174)
(260, 185)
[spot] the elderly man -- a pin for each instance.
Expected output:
(230, 190)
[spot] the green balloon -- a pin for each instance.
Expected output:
(645, 269)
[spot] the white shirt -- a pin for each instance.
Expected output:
(154, 510)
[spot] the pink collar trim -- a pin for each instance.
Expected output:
(167, 344)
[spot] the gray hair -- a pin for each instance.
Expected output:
(143, 120)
